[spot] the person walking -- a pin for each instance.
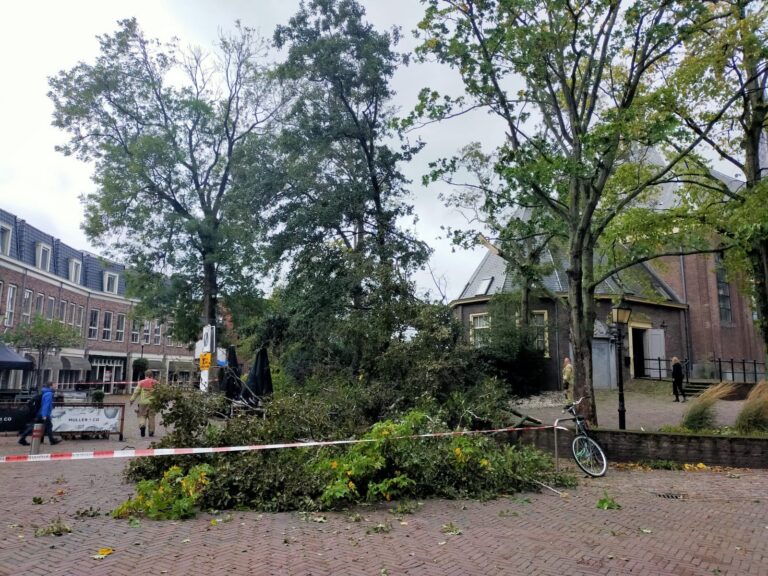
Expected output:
(44, 414)
(677, 379)
(143, 392)
(568, 378)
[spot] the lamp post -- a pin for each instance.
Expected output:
(621, 313)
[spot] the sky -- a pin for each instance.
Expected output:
(40, 37)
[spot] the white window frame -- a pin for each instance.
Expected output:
(157, 335)
(10, 305)
(26, 307)
(146, 332)
(50, 308)
(120, 328)
(39, 249)
(80, 316)
(75, 270)
(71, 314)
(63, 311)
(545, 326)
(135, 331)
(93, 327)
(39, 304)
(106, 328)
(484, 286)
(5, 241)
(110, 276)
(473, 329)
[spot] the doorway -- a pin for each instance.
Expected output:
(638, 353)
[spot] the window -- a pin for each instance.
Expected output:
(168, 337)
(120, 328)
(540, 331)
(135, 325)
(5, 240)
(74, 270)
(26, 307)
(484, 286)
(723, 291)
(479, 329)
(39, 303)
(93, 324)
(51, 308)
(106, 333)
(157, 340)
(10, 305)
(72, 308)
(43, 256)
(63, 311)
(80, 314)
(110, 282)
(145, 335)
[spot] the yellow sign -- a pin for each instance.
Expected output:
(205, 360)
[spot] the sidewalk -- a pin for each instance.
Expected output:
(670, 523)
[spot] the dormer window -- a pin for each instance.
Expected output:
(5, 240)
(43, 257)
(484, 286)
(110, 282)
(75, 266)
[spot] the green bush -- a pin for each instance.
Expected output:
(173, 497)
(385, 467)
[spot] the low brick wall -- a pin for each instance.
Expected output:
(624, 446)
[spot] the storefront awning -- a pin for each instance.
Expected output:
(155, 365)
(75, 363)
(10, 360)
(51, 363)
(181, 366)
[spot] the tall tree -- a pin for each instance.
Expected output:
(337, 211)
(731, 60)
(164, 130)
(574, 86)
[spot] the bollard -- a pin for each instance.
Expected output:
(37, 437)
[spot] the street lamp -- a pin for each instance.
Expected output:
(621, 313)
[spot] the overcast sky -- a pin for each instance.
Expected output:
(40, 37)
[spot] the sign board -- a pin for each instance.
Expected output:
(107, 418)
(13, 416)
(209, 336)
(204, 381)
(205, 360)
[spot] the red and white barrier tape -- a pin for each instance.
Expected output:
(99, 454)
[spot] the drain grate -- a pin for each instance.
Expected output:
(673, 496)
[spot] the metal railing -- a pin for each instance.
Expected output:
(661, 368)
(740, 370)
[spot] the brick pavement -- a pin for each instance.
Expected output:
(720, 526)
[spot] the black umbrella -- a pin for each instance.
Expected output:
(10, 360)
(259, 381)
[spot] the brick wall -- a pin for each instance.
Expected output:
(624, 446)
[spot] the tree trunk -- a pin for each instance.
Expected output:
(758, 257)
(210, 290)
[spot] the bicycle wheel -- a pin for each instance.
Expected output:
(589, 456)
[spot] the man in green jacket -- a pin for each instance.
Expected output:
(143, 392)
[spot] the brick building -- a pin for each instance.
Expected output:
(40, 275)
(682, 307)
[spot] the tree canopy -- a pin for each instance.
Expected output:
(164, 130)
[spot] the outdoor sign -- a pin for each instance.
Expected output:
(13, 416)
(204, 380)
(209, 335)
(84, 419)
(205, 360)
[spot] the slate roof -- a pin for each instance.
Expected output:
(638, 281)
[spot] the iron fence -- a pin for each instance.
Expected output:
(740, 370)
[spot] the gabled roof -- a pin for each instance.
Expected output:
(491, 277)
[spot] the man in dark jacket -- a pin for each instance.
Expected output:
(44, 414)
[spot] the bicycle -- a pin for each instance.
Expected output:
(588, 454)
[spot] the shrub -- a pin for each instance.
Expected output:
(384, 467)
(754, 414)
(173, 497)
(701, 412)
